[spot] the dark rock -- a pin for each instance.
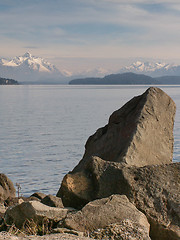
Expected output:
(11, 201)
(6, 188)
(31, 198)
(38, 195)
(52, 201)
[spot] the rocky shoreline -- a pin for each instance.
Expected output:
(124, 187)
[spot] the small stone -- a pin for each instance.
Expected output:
(38, 195)
(52, 201)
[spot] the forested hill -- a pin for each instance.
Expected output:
(6, 81)
(124, 78)
(127, 79)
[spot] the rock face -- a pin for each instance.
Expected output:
(140, 133)
(102, 212)
(33, 210)
(132, 156)
(6, 188)
(154, 190)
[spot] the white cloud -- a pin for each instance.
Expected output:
(101, 28)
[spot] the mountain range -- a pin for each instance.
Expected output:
(153, 69)
(28, 68)
(32, 69)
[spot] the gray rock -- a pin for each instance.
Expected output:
(139, 133)
(102, 212)
(6, 188)
(125, 230)
(154, 190)
(33, 210)
(52, 201)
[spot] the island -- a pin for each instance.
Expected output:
(6, 81)
(128, 78)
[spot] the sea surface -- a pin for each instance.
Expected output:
(43, 128)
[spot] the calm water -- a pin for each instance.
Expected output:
(44, 128)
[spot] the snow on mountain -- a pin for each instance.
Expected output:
(31, 69)
(34, 63)
(147, 66)
(28, 68)
(152, 69)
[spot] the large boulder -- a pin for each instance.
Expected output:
(139, 133)
(137, 149)
(6, 188)
(33, 210)
(154, 190)
(103, 212)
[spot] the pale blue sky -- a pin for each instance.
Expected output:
(76, 34)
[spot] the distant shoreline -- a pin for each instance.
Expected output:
(7, 81)
(127, 79)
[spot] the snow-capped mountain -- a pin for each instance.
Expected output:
(153, 69)
(31, 69)
(28, 68)
(146, 67)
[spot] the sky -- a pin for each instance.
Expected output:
(81, 34)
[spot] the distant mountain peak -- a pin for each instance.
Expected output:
(31, 68)
(152, 68)
(27, 55)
